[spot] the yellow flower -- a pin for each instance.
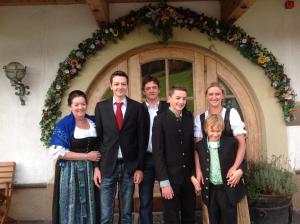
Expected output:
(115, 32)
(262, 59)
(167, 14)
(232, 38)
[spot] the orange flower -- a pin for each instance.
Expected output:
(74, 62)
(232, 38)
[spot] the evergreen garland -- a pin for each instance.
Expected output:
(161, 20)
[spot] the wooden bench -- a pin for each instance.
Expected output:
(7, 175)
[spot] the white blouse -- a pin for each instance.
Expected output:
(57, 150)
(236, 123)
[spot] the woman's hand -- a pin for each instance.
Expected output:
(230, 172)
(235, 177)
(94, 156)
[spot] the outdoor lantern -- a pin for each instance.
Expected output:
(15, 71)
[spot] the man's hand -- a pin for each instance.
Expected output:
(167, 192)
(97, 177)
(196, 184)
(138, 177)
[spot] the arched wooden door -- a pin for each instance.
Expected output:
(189, 65)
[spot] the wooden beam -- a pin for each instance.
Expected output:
(130, 1)
(65, 2)
(231, 10)
(39, 2)
(100, 10)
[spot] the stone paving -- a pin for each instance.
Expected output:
(157, 219)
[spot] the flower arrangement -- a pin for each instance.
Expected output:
(269, 178)
(161, 20)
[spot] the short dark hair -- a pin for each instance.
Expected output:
(149, 78)
(177, 87)
(76, 93)
(118, 73)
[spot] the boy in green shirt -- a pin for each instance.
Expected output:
(217, 154)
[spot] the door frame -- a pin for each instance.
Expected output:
(207, 67)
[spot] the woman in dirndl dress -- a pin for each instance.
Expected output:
(75, 145)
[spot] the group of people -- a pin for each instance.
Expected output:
(128, 143)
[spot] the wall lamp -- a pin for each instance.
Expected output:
(15, 71)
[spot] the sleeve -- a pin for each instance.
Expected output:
(197, 127)
(236, 123)
(164, 183)
(56, 150)
(98, 121)
(159, 150)
(141, 137)
(99, 129)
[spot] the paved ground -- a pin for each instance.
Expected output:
(157, 219)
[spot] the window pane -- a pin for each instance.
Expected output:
(227, 90)
(156, 69)
(230, 100)
(181, 72)
(190, 105)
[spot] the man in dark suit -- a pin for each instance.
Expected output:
(152, 107)
(173, 153)
(119, 126)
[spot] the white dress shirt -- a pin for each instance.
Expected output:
(57, 150)
(152, 113)
(123, 108)
(236, 123)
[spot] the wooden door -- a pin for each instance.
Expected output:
(193, 66)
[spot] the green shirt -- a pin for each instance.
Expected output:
(215, 169)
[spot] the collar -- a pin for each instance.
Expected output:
(148, 105)
(213, 145)
(180, 115)
(124, 101)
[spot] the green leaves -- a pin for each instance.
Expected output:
(161, 20)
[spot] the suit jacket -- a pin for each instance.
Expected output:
(130, 138)
(163, 106)
(227, 155)
(173, 146)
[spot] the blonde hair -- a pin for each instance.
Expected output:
(214, 121)
(216, 84)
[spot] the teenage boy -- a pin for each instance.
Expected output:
(119, 126)
(217, 155)
(152, 107)
(173, 153)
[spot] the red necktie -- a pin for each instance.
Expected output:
(119, 115)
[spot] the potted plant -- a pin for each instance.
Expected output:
(270, 189)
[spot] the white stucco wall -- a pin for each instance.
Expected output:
(39, 37)
(42, 36)
(278, 29)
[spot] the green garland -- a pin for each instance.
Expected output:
(161, 20)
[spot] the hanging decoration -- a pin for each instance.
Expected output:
(162, 19)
